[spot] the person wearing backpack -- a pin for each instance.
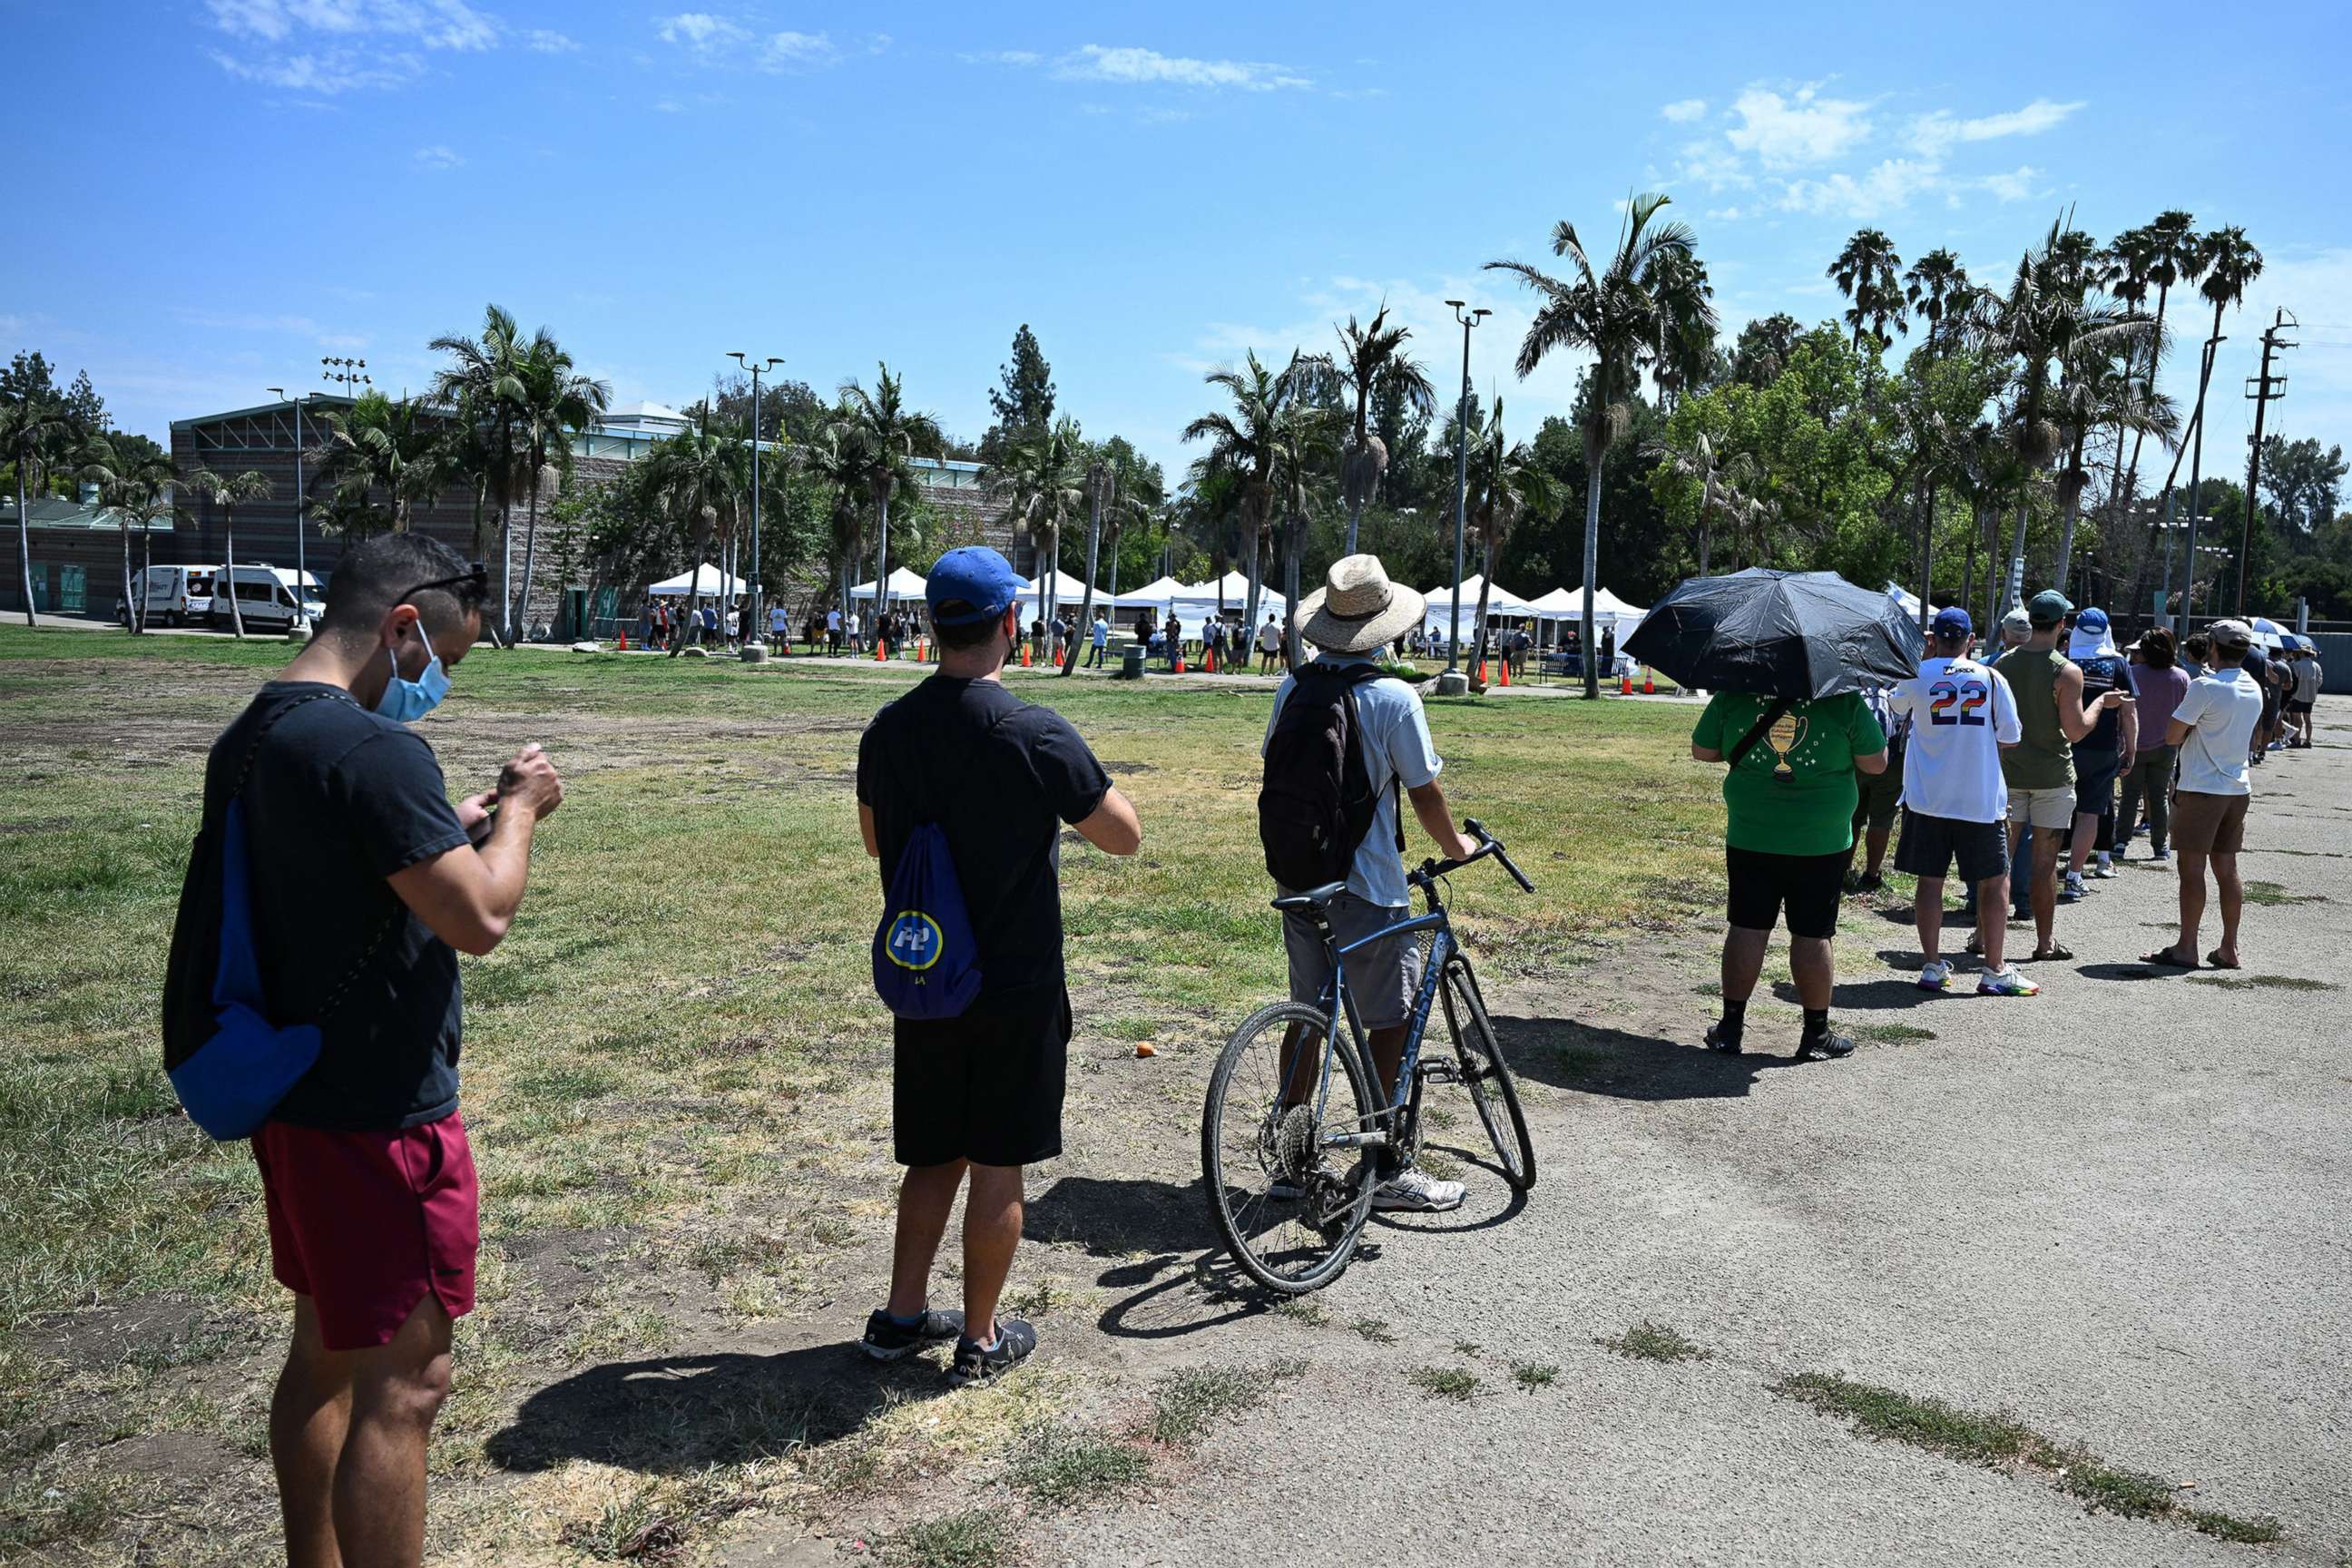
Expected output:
(360, 884)
(1345, 739)
(962, 792)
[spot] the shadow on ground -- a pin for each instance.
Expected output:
(1566, 1054)
(670, 1414)
(1118, 1218)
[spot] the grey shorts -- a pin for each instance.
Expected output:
(1382, 977)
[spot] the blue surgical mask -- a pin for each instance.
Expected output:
(404, 701)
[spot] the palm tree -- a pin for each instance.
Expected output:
(1041, 485)
(556, 401)
(484, 384)
(1696, 462)
(36, 432)
(1510, 483)
(1616, 311)
(400, 449)
(1864, 273)
(696, 475)
(2175, 254)
(1254, 442)
(832, 458)
(227, 493)
(2105, 393)
(135, 483)
(1102, 490)
(1687, 351)
(889, 434)
(1937, 288)
(1372, 360)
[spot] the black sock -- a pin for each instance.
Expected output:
(1817, 1021)
(1735, 1019)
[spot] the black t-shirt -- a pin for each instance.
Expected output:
(1000, 777)
(338, 800)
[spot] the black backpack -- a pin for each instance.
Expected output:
(1316, 802)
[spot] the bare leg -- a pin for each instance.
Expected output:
(396, 1391)
(991, 1232)
(1875, 842)
(2086, 833)
(1992, 935)
(2045, 889)
(2193, 903)
(1811, 967)
(1743, 961)
(1927, 913)
(926, 1194)
(2233, 904)
(309, 1414)
(1387, 1047)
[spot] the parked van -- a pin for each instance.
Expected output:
(265, 598)
(179, 595)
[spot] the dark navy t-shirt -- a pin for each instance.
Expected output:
(338, 800)
(1000, 777)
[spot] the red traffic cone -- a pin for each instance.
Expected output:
(1649, 682)
(881, 651)
(1211, 664)
(1482, 672)
(625, 639)
(1624, 686)
(1179, 662)
(1024, 656)
(1506, 668)
(922, 650)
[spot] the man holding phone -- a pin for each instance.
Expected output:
(366, 883)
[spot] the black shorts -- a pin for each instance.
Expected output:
(986, 1087)
(1811, 886)
(2095, 782)
(2295, 707)
(1930, 845)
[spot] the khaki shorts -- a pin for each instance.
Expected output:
(2050, 808)
(2208, 823)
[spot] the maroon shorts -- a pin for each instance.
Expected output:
(365, 1222)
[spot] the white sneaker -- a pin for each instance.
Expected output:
(2073, 891)
(1420, 1193)
(2105, 867)
(1934, 976)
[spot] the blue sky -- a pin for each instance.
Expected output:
(225, 190)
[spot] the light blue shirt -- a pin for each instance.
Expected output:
(1102, 633)
(1394, 733)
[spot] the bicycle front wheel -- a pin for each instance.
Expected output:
(1488, 1075)
(1289, 1201)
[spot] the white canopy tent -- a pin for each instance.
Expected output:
(904, 585)
(1197, 602)
(1500, 601)
(1909, 600)
(1067, 592)
(704, 579)
(1154, 596)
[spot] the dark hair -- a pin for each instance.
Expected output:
(2199, 646)
(2156, 647)
(377, 573)
(972, 634)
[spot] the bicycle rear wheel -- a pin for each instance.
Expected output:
(1486, 1075)
(1289, 1204)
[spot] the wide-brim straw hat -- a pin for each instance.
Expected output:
(1357, 609)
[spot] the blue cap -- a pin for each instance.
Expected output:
(1953, 621)
(2092, 620)
(973, 574)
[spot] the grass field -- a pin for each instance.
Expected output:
(676, 1073)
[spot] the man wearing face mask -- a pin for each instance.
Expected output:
(365, 884)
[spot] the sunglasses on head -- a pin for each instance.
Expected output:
(479, 575)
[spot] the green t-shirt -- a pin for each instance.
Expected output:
(1811, 811)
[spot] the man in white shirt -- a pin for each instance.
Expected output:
(833, 631)
(779, 627)
(1269, 645)
(2212, 730)
(1955, 804)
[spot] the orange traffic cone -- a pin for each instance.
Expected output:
(1506, 671)
(1482, 672)
(1179, 662)
(1024, 656)
(922, 650)
(1211, 664)
(1649, 683)
(881, 651)
(1624, 686)
(625, 639)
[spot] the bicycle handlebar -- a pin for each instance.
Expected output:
(1488, 845)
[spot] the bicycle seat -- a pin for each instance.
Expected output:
(1312, 899)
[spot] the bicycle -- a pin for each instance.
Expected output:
(1272, 1152)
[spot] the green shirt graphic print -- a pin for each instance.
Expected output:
(1810, 811)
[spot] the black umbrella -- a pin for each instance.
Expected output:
(1799, 634)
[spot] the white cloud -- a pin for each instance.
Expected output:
(701, 32)
(1002, 58)
(2015, 186)
(793, 51)
(1885, 188)
(1094, 62)
(549, 43)
(1800, 129)
(1934, 134)
(327, 72)
(1683, 110)
(327, 46)
(438, 156)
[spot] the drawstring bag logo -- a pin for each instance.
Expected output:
(925, 965)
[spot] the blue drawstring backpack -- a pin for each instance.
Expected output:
(925, 965)
(229, 1063)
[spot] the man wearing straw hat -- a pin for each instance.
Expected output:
(1355, 614)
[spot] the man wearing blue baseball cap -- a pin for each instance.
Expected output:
(1954, 801)
(980, 1093)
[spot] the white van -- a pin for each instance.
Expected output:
(179, 595)
(265, 598)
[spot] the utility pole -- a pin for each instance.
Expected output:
(302, 579)
(1461, 483)
(2263, 390)
(2196, 458)
(755, 647)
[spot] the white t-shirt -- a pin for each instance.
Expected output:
(1961, 713)
(1394, 734)
(833, 620)
(2223, 709)
(1269, 638)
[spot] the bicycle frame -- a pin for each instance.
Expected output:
(1338, 1004)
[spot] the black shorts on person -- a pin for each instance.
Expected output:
(1811, 886)
(986, 1087)
(1930, 845)
(2094, 782)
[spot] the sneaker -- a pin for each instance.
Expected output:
(2104, 868)
(888, 1338)
(2073, 891)
(2006, 982)
(1936, 976)
(1871, 882)
(976, 1362)
(1418, 1192)
(2159, 855)
(1719, 1041)
(1825, 1045)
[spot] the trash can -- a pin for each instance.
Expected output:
(1130, 662)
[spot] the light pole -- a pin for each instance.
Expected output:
(1461, 484)
(301, 577)
(755, 647)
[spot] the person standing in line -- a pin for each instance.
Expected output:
(779, 627)
(1789, 794)
(1962, 716)
(2213, 729)
(2282, 727)
(2308, 680)
(365, 884)
(2109, 750)
(1881, 793)
(2039, 769)
(833, 631)
(2160, 684)
(2257, 664)
(1269, 645)
(979, 1095)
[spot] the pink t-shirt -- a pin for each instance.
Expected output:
(2160, 692)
